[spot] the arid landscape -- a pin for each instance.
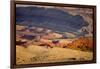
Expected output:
(47, 38)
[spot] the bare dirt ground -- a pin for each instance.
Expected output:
(37, 54)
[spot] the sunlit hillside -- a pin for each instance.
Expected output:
(36, 54)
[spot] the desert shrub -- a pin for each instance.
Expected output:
(46, 45)
(84, 44)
